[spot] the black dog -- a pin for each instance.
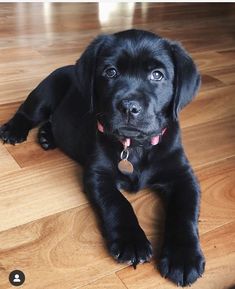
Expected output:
(116, 112)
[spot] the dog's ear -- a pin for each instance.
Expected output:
(86, 67)
(187, 78)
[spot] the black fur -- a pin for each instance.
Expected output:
(133, 104)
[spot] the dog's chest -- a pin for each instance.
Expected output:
(137, 179)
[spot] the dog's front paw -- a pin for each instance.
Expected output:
(182, 265)
(12, 133)
(131, 247)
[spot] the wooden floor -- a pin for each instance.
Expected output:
(47, 228)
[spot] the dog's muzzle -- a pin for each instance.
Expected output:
(132, 134)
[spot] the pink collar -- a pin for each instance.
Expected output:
(127, 142)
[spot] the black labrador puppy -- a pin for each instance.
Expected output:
(116, 112)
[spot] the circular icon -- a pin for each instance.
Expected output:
(16, 278)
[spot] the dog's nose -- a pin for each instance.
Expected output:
(130, 107)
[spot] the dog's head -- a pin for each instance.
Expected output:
(136, 82)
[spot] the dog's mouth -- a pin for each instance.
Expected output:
(130, 132)
(131, 135)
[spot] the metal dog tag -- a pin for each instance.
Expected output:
(124, 165)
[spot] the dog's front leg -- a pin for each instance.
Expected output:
(182, 260)
(125, 239)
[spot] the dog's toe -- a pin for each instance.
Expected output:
(45, 137)
(133, 250)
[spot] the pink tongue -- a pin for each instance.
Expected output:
(155, 140)
(100, 127)
(126, 142)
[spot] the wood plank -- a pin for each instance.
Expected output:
(36, 249)
(18, 55)
(107, 282)
(210, 82)
(208, 61)
(8, 164)
(210, 142)
(226, 75)
(39, 191)
(209, 106)
(218, 194)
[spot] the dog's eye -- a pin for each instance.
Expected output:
(156, 75)
(110, 72)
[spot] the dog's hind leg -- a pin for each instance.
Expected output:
(38, 106)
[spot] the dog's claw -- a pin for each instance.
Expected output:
(117, 255)
(134, 264)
